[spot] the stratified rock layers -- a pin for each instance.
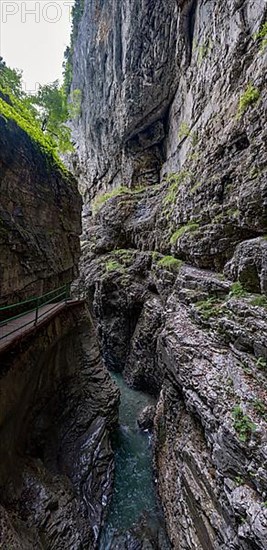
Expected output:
(39, 218)
(174, 108)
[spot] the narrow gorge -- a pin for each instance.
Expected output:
(134, 417)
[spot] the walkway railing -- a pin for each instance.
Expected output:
(35, 311)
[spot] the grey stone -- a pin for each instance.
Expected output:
(249, 265)
(146, 418)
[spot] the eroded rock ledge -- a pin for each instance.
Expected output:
(58, 407)
(171, 139)
(198, 341)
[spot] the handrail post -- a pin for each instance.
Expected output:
(36, 312)
(67, 293)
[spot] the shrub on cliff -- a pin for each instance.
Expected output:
(43, 116)
(53, 113)
(261, 35)
(10, 79)
(249, 97)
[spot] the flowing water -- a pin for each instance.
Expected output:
(134, 501)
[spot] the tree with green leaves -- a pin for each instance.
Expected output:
(50, 108)
(10, 79)
(53, 114)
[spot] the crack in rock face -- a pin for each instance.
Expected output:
(171, 141)
(173, 246)
(171, 158)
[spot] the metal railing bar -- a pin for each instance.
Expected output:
(51, 300)
(62, 297)
(18, 304)
(33, 299)
(30, 310)
(3, 323)
(32, 321)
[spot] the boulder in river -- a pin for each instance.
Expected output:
(146, 418)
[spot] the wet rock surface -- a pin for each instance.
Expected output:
(144, 536)
(249, 266)
(145, 420)
(175, 264)
(56, 456)
(199, 343)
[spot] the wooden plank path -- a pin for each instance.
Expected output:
(17, 329)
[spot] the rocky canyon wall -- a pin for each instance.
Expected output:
(171, 141)
(58, 408)
(39, 218)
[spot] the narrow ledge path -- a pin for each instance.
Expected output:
(17, 329)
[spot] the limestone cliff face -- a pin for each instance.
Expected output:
(174, 108)
(39, 218)
(125, 64)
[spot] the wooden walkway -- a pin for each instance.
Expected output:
(17, 329)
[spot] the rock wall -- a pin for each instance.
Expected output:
(124, 61)
(58, 407)
(172, 145)
(39, 218)
(198, 341)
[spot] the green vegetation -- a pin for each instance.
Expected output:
(76, 15)
(124, 256)
(193, 156)
(112, 265)
(123, 253)
(242, 424)
(260, 407)
(194, 139)
(233, 212)
(203, 50)
(237, 290)
(218, 218)
(43, 115)
(175, 180)
(246, 370)
(249, 97)
(190, 227)
(254, 172)
(261, 35)
(239, 480)
(184, 130)
(209, 308)
(261, 363)
(155, 255)
(74, 104)
(195, 187)
(121, 190)
(53, 113)
(119, 259)
(260, 301)
(169, 262)
(23, 118)
(10, 79)
(101, 199)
